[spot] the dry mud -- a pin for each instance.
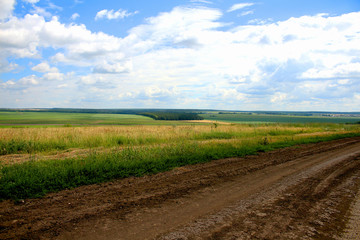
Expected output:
(302, 192)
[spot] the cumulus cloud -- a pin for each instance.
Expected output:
(29, 80)
(338, 71)
(111, 14)
(24, 37)
(7, 84)
(50, 73)
(20, 37)
(5, 66)
(278, 97)
(41, 11)
(44, 67)
(181, 25)
(185, 56)
(53, 76)
(119, 67)
(266, 60)
(6, 8)
(152, 95)
(159, 93)
(75, 16)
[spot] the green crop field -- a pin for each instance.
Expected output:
(56, 118)
(247, 118)
(45, 118)
(91, 148)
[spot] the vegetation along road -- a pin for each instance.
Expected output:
(304, 191)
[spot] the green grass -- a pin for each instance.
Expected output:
(136, 146)
(266, 118)
(49, 119)
(36, 119)
(36, 178)
(42, 140)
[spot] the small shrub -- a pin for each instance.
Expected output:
(264, 141)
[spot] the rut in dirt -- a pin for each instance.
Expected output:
(302, 191)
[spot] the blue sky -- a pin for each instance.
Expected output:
(203, 54)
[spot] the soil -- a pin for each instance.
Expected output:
(301, 192)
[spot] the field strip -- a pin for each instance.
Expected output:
(209, 121)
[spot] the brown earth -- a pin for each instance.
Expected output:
(302, 192)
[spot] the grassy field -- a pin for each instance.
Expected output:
(38, 140)
(247, 118)
(53, 118)
(36, 119)
(49, 160)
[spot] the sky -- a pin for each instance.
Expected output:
(297, 55)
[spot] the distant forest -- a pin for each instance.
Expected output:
(172, 116)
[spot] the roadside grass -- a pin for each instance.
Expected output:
(35, 178)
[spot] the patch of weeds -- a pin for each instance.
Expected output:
(214, 135)
(264, 141)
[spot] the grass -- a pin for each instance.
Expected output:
(20, 119)
(262, 118)
(37, 140)
(36, 178)
(124, 150)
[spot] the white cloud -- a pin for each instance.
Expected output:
(24, 37)
(111, 14)
(258, 21)
(52, 76)
(156, 92)
(41, 11)
(181, 25)
(50, 73)
(239, 6)
(119, 67)
(278, 97)
(5, 66)
(31, 1)
(344, 81)
(225, 95)
(201, 1)
(6, 8)
(44, 67)
(341, 70)
(63, 86)
(246, 13)
(7, 84)
(185, 58)
(20, 37)
(151, 95)
(75, 16)
(29, 80)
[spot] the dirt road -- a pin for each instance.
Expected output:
(303, 192)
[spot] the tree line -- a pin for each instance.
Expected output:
(172, 116)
